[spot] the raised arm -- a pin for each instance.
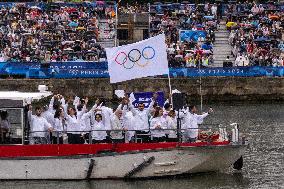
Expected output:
(154, 99)
(200, 118)
(30, 113)
(51, 102)
(76, 102)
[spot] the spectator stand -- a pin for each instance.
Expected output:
(189, 29)
(49, 32)
(256, 33)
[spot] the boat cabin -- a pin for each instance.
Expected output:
(13, 115)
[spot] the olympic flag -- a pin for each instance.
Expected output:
(141, 59)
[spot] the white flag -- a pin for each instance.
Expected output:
(141, 59)
(119, 93)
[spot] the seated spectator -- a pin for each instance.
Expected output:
(256, 39)
(61, 32)
(195, 19)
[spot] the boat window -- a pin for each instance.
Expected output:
(11, 126)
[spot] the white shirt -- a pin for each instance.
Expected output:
(49, 116)
(5, 124)
(106, 114)
(128, 123)
(214, 9)
(98, 135)
(58, 127)
(172, 124)
(38, 123)
(158, 121)
(141, 118)
(116, 125)
(192, 124)
(73, 124)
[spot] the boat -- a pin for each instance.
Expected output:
(21, 161)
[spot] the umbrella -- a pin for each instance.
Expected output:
(206, 47)
(273, 17)
(100, 3)
(209, 17)
(262, 39)
(35, 7)
(73, 24)
(68, 49)
(245, 25)
(67, 42)
(26, 34)
(199, 25)
(81, 28)
(230, 24)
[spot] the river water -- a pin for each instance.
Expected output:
(263, 160)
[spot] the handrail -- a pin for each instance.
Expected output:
(234, 136)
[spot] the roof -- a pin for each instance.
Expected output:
(24, 96)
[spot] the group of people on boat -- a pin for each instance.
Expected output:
(71, 122)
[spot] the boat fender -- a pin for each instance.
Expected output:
(140, 167)
(90, 169)
(238, 165)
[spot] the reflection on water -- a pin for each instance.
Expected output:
(199, 181)
(263, 161)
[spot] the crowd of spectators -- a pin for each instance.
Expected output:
(47, 32)
(133, 8)
(189, 30)
(256, 33)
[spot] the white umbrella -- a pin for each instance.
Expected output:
(35, 7)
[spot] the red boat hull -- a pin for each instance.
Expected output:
(82, 149)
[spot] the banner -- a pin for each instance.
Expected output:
(99, 70)
(146, 98)
(187, 35)
(253, 71)
(137, 60)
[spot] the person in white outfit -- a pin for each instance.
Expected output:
(116, 125)
(171, 120)
(38, 126)
(157, 126)
(141, 119)
(49, 116)
(193, 119)
(106, 113)
(59, 127)
(214, 10)
(4, 126)
(97, 135)
(73, 126)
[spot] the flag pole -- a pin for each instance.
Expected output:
(170, 87)
(200, 88)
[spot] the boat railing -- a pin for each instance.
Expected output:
(208, 133)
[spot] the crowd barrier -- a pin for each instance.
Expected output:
(99, 70)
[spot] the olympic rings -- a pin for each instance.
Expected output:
(145, 56)
(132, 53)
(124, 59)
(134, 56)
(129, 67)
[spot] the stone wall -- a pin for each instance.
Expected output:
(214, 89)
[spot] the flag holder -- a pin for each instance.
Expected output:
(170, 87)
